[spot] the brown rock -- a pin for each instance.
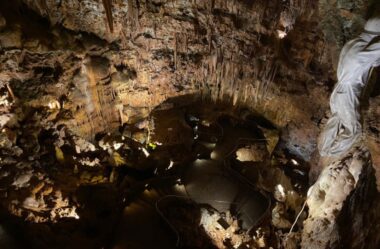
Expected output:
(11, 39)
(3, 22)
(252, 153)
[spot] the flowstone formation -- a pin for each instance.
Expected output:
(343, 202)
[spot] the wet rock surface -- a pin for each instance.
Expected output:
(197, 199)
(58, 181)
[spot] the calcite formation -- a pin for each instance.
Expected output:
(222, 50)
(338, 204)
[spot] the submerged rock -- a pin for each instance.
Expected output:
(252, 153)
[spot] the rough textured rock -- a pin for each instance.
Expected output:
(341, 205)
(372, 127)
(253, 153)
(342, 20)
(87, 16)
(224, 50)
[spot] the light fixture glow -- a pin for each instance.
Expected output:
(281, 34)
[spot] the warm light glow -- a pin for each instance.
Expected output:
(209, 145)
(179, 188)
(214, 155)
(280, 189)
(294, 162)
(198, 162)
(54, 105)
(171, 164)
(146, 153)
(281, 34)
(117, 145)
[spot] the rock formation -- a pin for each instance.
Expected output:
(94, 110)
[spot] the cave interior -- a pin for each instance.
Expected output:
(140, 124)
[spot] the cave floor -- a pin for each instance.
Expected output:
(189, 176)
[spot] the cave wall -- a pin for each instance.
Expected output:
(341, 21)
(223, 50)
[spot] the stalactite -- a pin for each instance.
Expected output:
(269, 78)
(212, 5)
(175, 50)
(45, 7)
(132, 17)
(107, 4)
(186, 49)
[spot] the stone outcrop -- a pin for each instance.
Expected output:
(372, 128)
(342, 205)
(342, 20)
